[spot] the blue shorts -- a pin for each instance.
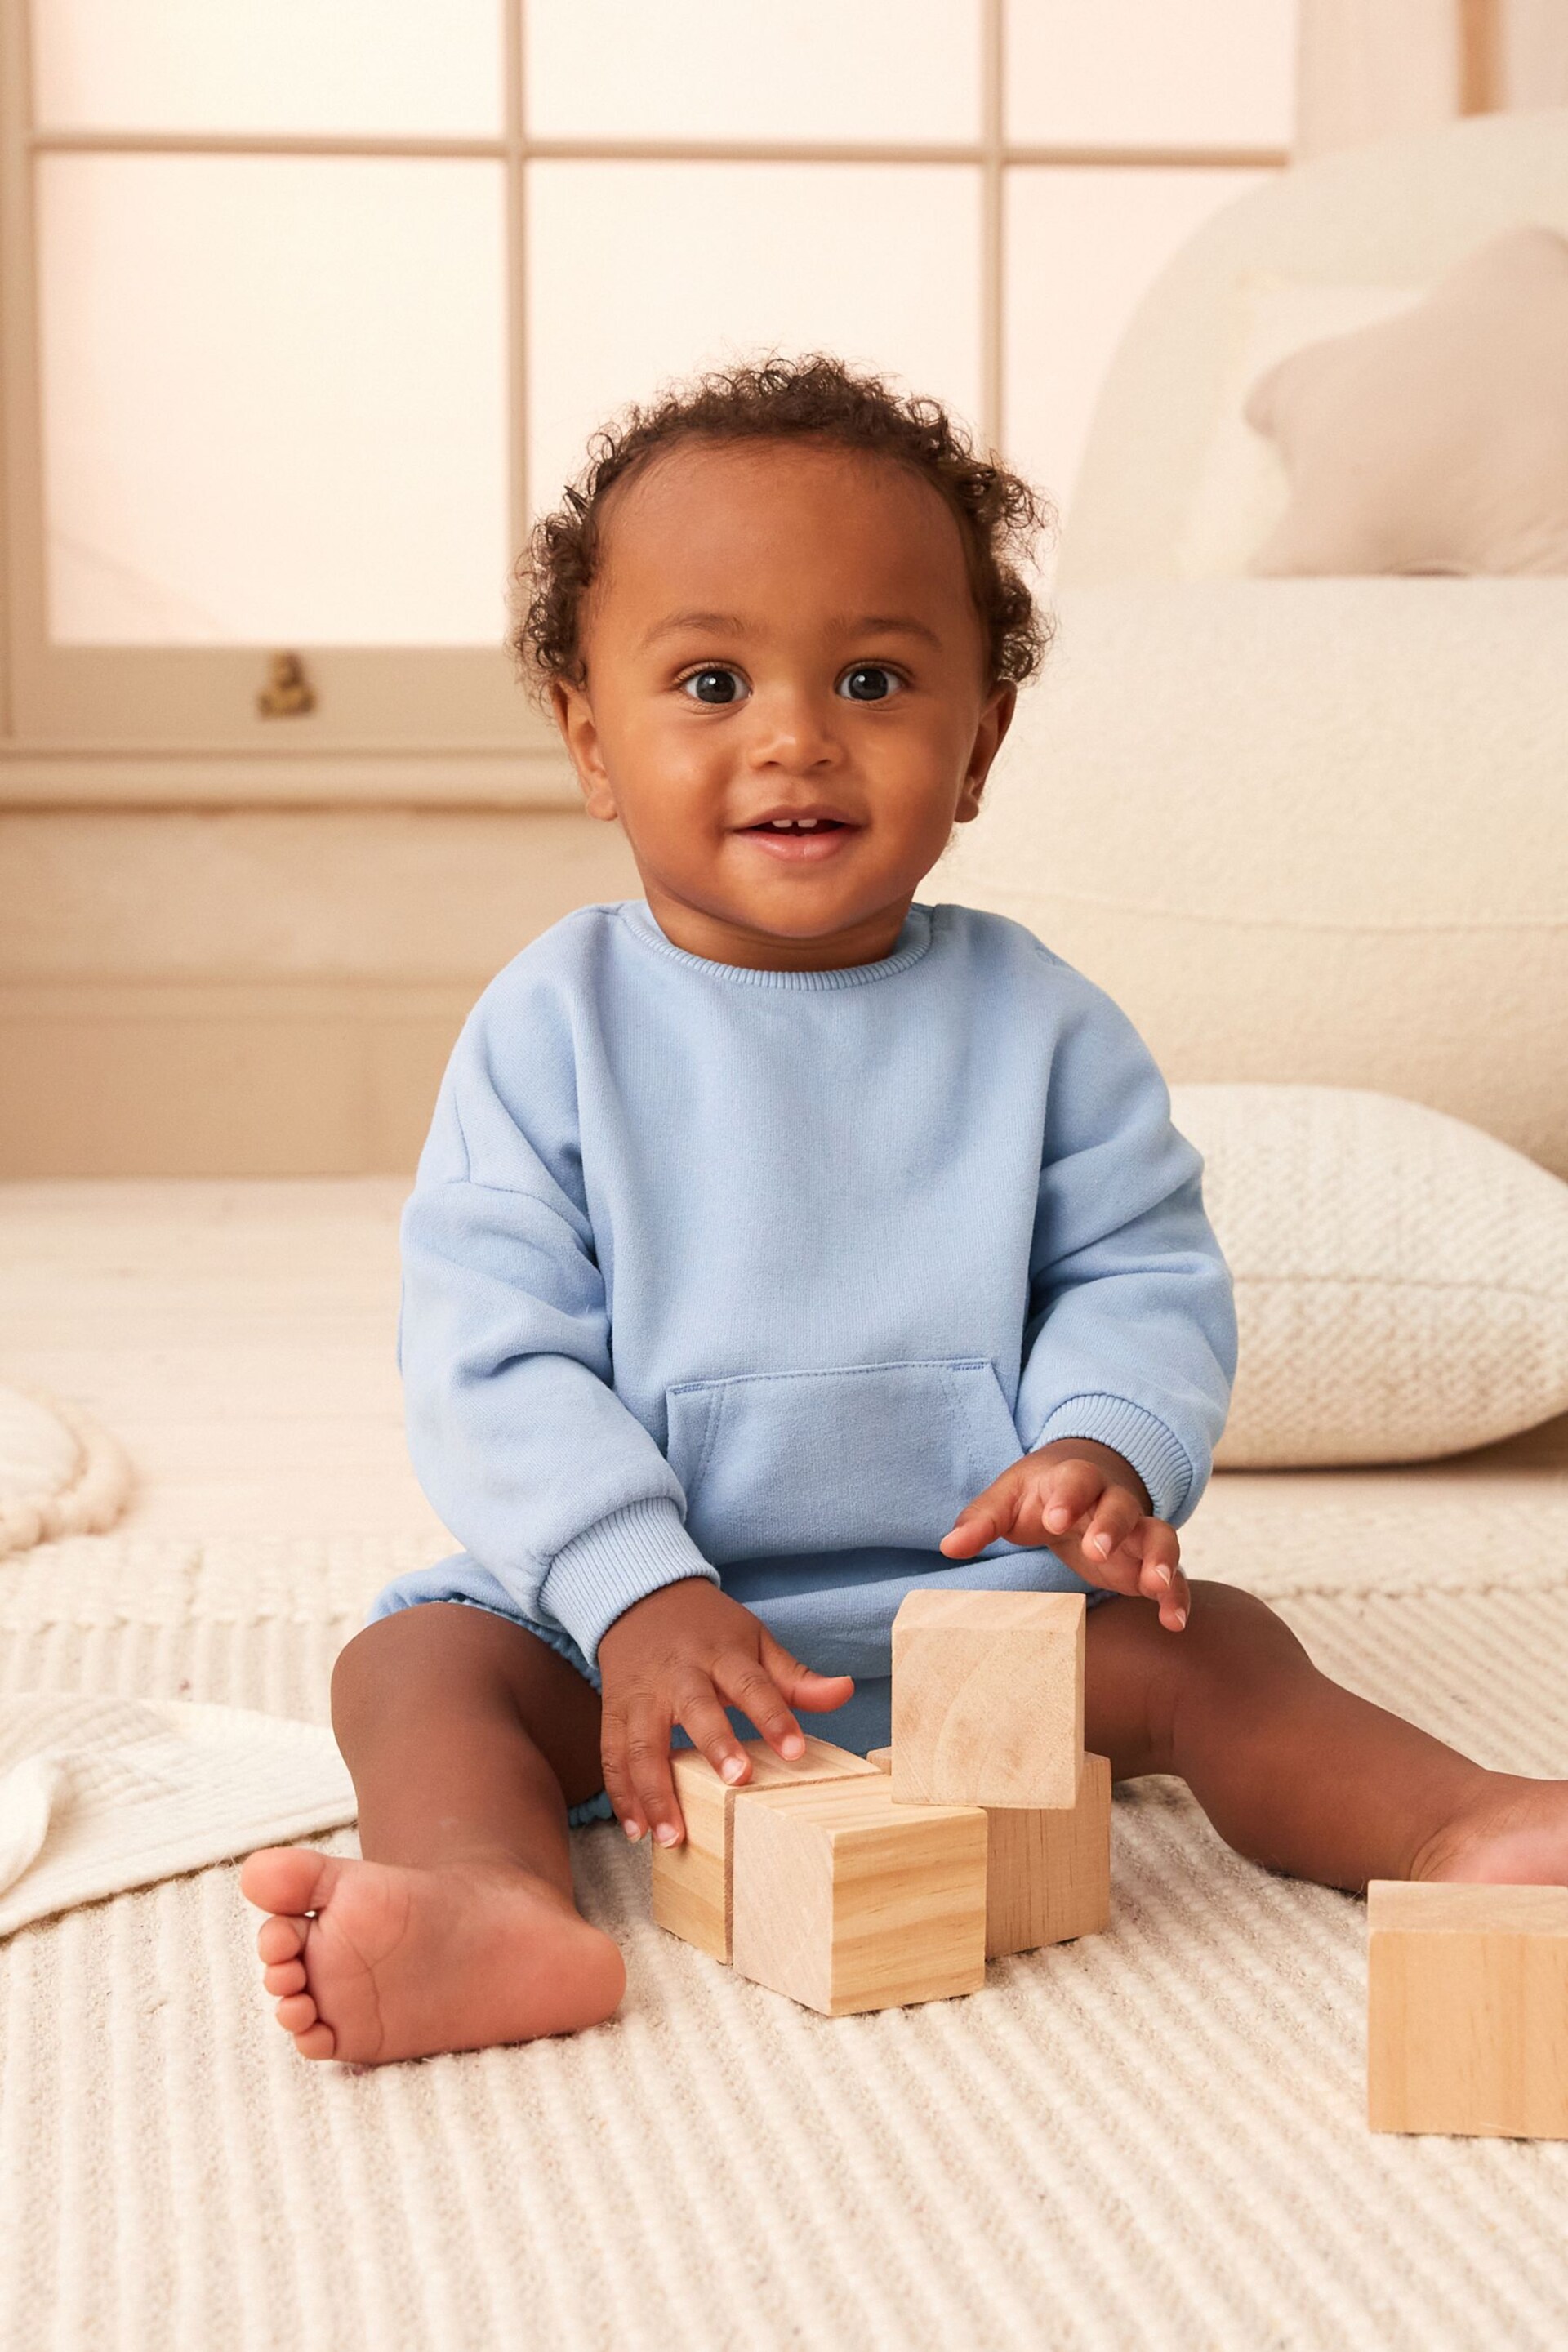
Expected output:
(832, 1611)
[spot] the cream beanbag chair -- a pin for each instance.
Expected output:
(1306, 831)
(1400, 1278)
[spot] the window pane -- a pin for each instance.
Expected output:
(817, 70)
(1156, 73)
(1083, 247)
(274, 400)
(642, 271)
(418, 66)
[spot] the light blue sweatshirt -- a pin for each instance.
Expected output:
(706, 1266)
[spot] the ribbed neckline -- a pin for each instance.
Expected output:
(912, 942)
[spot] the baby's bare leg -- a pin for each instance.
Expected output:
(466, 1738)
(1294, 1771)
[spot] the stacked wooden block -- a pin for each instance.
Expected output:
(855, 1883)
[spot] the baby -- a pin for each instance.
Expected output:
(784, 1242)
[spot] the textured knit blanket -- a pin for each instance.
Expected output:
(97, 1795)
(1153, 2138)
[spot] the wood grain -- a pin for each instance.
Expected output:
(692, 1883)
(847, 1900)
(1467, 2008)
(988, 1698)
(1048, 1874)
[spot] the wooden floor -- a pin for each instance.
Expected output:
(239, 1336)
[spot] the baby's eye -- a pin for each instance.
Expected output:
(869, 682)
(715, 684)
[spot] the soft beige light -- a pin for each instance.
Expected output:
(807, 70)
(1158, 73)
(639, 272)
(274, 400)
(268, 64)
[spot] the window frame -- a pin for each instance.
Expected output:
(415, 725)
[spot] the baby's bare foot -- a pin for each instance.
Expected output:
(399, 1963)
(1514, 1833)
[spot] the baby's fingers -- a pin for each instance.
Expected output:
(744, 1682)
(803, 1685)
(1113, 1520)
(990, 1514)
(1160, 1576)
(974, 1528)
(705, 1723)
(1069, 1489)
(635, 1753)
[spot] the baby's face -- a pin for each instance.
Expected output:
(780, 626)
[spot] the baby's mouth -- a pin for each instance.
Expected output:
(800, 844)
(807, 825)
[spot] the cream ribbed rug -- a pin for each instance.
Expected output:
(1150, 2139)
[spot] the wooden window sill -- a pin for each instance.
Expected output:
(35, 776)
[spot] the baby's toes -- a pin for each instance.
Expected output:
(288, 1976)
(286, 1878)
(297, 2013)
(299, 2016)
(278, 1939)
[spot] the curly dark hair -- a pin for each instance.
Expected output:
(998, 514)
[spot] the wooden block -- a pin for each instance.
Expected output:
(1467, 2008)
(988, 1699)
(1047, 1873)
(691, 1882)
(847, 1900)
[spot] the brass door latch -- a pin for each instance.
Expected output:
(288, 693)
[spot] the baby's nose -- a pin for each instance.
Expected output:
(792, 731)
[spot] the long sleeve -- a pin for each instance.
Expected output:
(514, 1429)
(1131, 1336)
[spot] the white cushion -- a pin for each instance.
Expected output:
(1391, 213)
(1401, 1278)
(1436, 441)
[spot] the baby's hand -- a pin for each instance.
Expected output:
(683, 1656)
(1093, 1509)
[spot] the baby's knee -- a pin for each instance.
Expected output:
(1235, 1633)
(359, 1673)
(402, 1652)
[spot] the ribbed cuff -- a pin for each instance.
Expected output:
(1155, 1452)
(621, 1559)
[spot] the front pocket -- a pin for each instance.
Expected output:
(774, 1463)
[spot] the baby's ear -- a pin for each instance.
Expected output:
(995, 720)
(565, 702)
(574, 717)
(999, 710)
